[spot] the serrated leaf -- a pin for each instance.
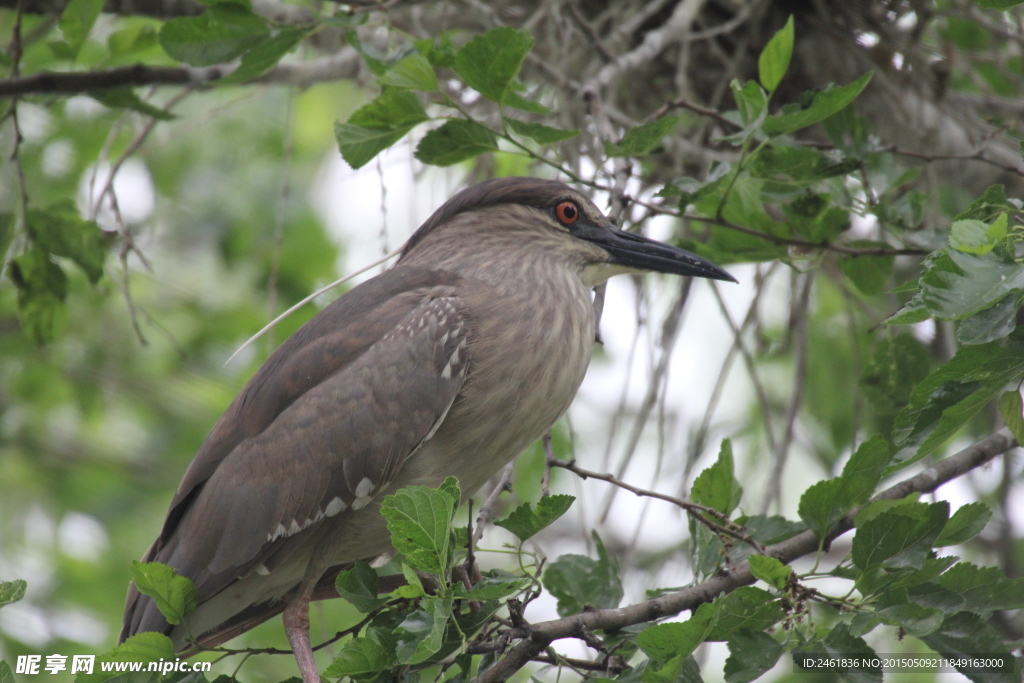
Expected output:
(455, 141)
(496, 587)
(1012, 410)
(957, 285)
(175, 595)
(642, 139)
(578, 581)
(966, 522)
(751, 653)
(422, 632)
(143, 647)
(59, 230)
(490, 63)
(751, 102)
(953, 393)
(977, 237)
(221, 33)
(663, 642)
(358, 586)
(377, 125)
(540, 133)
(412, 72)
(12, 591)
(42, 287)
(983, 589)
(717, 486)
(770, 570)
(265, 56)
(827, 502)
(900, 537)
(524, 522)
(916, 619)
(965, 635)
(773, 62)
(841, 644)
(369, 654)
(993, 323)
(826, 103)
(125, 98)
(418, 518)
(676, 670)
(747, 607)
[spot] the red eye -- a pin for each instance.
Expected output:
(567, 213)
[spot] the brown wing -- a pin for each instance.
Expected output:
(325, 423)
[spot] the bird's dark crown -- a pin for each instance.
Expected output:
(536, 192)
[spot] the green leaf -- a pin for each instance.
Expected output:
(377, 125)
(42, 287)
(413, 587)
(1012, 410)
(770, 570)
(965, 635)
(773, 62)
(953, 393)
(125, 98)
(370, 654)
(578, 581)
(455, 141)
(359, 587)
(61, 231)
(976, 237)
(496, 587)
(422, 632)
(958, 285)
(265, 56)
(12, 591)
(841, 644)
(992, 323)
(490, 63)
(143, 647)
(900, 537)
(752, 103)
(412, 72)
(747, 607)
(418, 518)
(827, 502)
(642, 139)
(917, 620)
(966, 523)
(676, 670)
(983, 589)
(220, 34)
(663, 642)
(540, 133)
(134, 37)
(6, 675)
(174, 594)
(826, 103)
(76, 21)
(717, 486)
(751, 653)
(524, 522)
(869, 274)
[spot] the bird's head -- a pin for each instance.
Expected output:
(553, 219)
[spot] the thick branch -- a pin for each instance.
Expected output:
(543, 634)
(344, 64)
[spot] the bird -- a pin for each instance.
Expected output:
(449, 363)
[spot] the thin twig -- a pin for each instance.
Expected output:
(484, 516)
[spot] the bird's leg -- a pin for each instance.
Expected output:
(296, 627)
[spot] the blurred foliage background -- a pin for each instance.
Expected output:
(238, 204)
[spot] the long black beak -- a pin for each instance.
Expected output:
(636, 251)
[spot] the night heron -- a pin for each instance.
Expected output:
(449, 363)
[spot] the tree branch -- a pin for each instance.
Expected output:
(344, 64)
(543, 634)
